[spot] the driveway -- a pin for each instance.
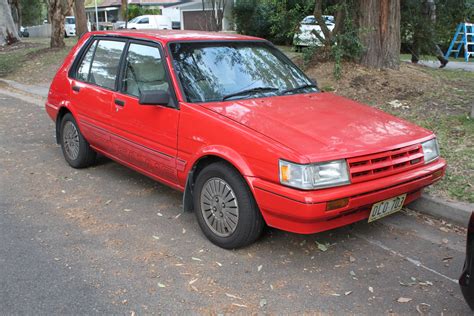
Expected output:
(109, 240)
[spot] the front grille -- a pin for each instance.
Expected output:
(380, 165)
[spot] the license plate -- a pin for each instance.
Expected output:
(387, 207)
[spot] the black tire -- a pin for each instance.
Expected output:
(85, 156)
(250, 222)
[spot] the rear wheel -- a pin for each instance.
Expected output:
(225, 208)
(76, 149)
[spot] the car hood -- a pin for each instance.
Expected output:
(322, 126)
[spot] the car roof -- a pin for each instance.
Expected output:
(167, 36)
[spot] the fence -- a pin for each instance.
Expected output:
(40, 30)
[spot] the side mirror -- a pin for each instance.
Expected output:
(158, 97)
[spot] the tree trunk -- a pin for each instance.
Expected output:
(379, 24)
(8, 31)
(57, 11)
(81, 19)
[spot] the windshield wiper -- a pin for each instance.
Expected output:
(249, 91)
(306, 86)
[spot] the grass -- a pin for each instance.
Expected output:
(32, 61)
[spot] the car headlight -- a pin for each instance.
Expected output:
(430, 150)
(314, 176)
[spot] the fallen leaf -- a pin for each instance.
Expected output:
(335, 294)
(263, 302)
(239, 305)
(348, 293)
(159, 214)
(196, 259)
(322, 247)
(352, 259)
(127, 210)
(177, 216)
(445, 241)
(371, 289)
(219, 264)
(192, 281)
(259, 268)
(156, 237)
(161, 285)
(403, 300)
(232, 296)
(108, 202)
(184, 231)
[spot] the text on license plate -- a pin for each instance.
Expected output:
(387, 207)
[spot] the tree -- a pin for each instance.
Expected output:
(81, 19)
(216, 15)
(57, 11)
(329, 36)
(379, 31)
(8, 31)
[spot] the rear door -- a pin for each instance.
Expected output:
(93, 85)
(147, 134)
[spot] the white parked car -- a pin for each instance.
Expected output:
(146, 22)
(70, 26)
(305, 37)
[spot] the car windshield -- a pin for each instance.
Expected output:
(134, 20)
(70, 21)
(221, 71)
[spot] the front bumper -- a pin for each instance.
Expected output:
(305, 212)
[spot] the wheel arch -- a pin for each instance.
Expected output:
(59, 117)
(204, 161)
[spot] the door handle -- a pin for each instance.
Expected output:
(76, 88)
(119, 102)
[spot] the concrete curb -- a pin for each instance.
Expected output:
(455, 212)
(41, 91)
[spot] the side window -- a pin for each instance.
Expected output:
(105, 66)
(85, 66)
(144, 70)
(144, 21)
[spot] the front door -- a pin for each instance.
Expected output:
(147, 135)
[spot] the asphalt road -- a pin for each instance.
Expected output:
(107, 239)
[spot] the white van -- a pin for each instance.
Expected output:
(148, 22)
(70, 26)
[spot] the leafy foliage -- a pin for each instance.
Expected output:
(32, 12)
(449, 13)
(275, 20)
(135, 10)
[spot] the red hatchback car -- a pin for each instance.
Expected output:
(232, 122)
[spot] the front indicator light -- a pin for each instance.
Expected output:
(332, 205)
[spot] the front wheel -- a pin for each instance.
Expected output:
(225, 208)
(76, 149)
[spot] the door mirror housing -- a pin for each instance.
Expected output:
(158, 97)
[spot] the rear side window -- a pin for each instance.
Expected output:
(85, 66)
(105, 64)
(100, 64)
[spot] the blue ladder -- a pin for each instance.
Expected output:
(466, 31)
